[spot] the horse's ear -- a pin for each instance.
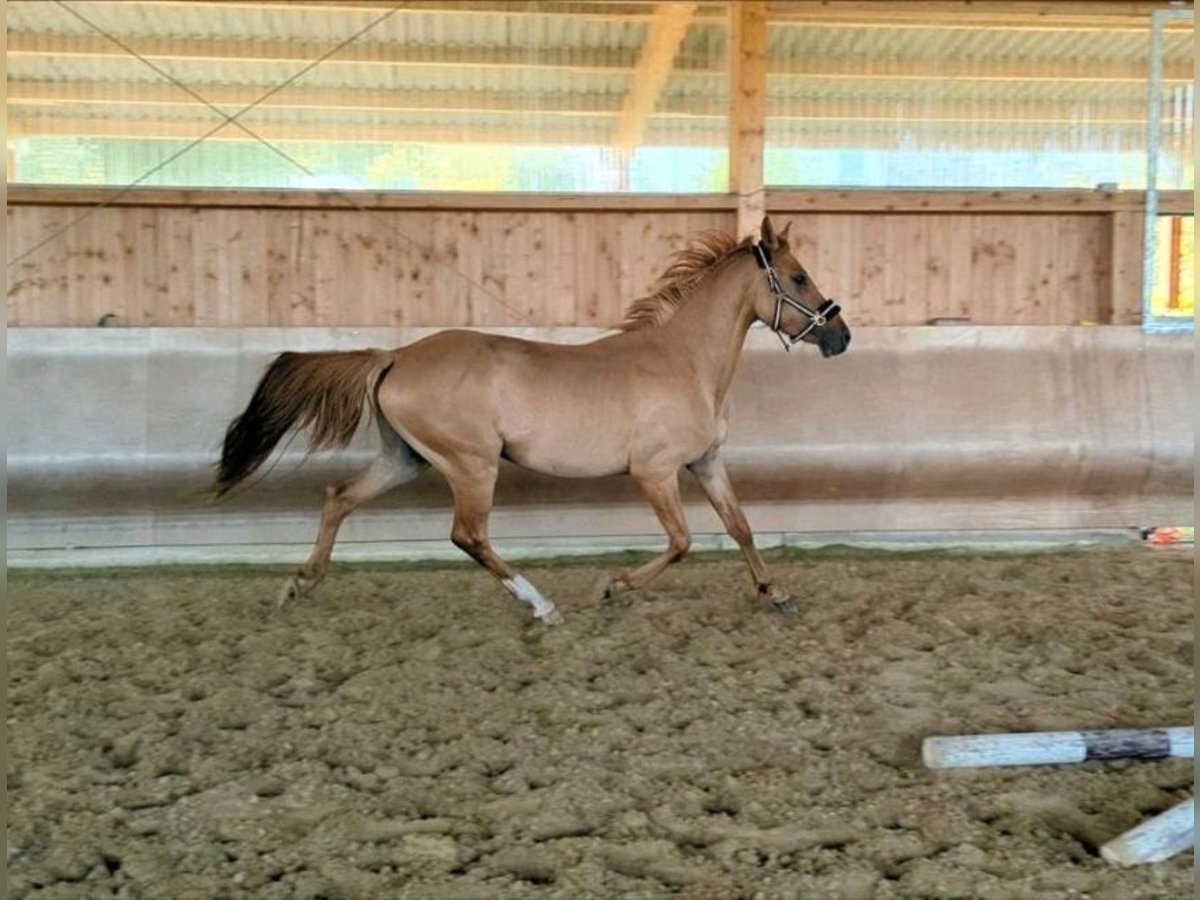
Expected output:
(768, 238)
(783, 235)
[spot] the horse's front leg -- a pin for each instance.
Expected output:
(710, 472)
(662, 490)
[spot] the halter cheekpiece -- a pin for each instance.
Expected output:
(817, 318)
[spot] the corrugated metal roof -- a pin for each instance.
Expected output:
(559, 71)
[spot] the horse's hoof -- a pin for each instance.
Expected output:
(606, 589)
(616, 588)
(785, 606)
(289, 593)
(554, 617)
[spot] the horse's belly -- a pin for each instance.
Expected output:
(568, 454)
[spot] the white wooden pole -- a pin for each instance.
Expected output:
(1050, 747)
(1155, 839)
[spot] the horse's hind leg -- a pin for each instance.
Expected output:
(397, 464)
(662, 490)
(711, 474)
(473, 483)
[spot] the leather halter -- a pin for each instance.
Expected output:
(816, 318)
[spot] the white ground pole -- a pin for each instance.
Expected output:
(1050, 747)
(1154, 840)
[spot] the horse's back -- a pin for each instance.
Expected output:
(564, 409)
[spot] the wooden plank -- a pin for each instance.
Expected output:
(588, 10)
(786, 202)
(232, 51)
(309, 132)
(973, 201)
(747, 111)
(1073, 299)
(241, 267)
(1075, 71)
(60, 94)
(987, 15)
(1127, 230)
(994, 289)
(566, 118)
(937, 258)
(39, 195)
(835, 131)
(39, 285)
(176, 301)
(416, 282)
(665, 34)
(462, 297)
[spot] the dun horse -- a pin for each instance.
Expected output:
(646, 401)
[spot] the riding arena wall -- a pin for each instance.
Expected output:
(114, 432)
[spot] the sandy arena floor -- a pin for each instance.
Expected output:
(411, 733)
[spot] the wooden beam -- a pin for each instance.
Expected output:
(1090, 71)
(823, 134)
(966, 202)
(665, 35)
(25, 44)
(747, 110)
(589, 10)
(321, 132)
(1095, 15)
(48, 94)
(1066, 200)
(363, 52)
(36, 195)
(986, 15)
(56, 94)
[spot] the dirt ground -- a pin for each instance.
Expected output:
(410, 732)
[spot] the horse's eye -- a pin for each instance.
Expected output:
(801, 279)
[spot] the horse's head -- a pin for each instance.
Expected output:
(789, 302)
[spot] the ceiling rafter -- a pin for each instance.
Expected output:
(590, 10)
(23, 44)
(1019, 15)
(1060, 112)
(827, 134)
(664, 37)
(59, 94)
(27, 45)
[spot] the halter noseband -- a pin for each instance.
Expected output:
(816, 319)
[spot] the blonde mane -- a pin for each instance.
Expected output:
(687, 269)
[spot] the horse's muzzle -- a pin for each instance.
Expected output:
(834, 342)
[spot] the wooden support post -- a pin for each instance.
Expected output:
(747, 111)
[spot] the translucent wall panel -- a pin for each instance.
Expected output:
(948, 102)
(517, 96)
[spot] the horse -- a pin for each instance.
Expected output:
(647, 400)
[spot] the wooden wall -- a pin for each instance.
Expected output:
(221, 258)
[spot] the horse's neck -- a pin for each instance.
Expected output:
(710, 327)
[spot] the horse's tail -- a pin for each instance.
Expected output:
(325, 392)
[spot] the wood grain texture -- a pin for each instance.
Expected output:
(238, 266)
(1069, 200)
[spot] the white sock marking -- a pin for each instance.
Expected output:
(527, 593)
